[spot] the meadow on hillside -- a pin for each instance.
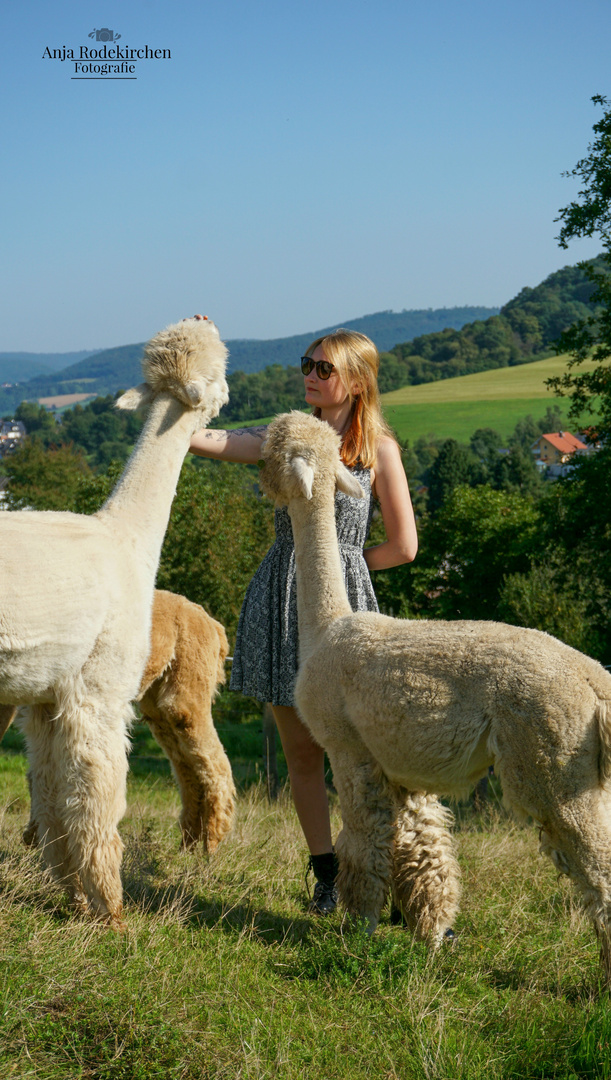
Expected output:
(455, 408)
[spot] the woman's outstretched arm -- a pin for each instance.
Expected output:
(240, 444)
(392, 492)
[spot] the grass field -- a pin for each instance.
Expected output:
(455, 408)
(222, 975)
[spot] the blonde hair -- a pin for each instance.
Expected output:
(357, 361)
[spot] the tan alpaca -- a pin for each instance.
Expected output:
(410, 709)
(76, 594)
(185, 667)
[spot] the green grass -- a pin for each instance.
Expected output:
(221, 974)
(455, 408)
(458, 420)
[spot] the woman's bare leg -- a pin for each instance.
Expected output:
(306, 764)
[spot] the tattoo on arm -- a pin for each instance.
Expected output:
(248, 431)
(210, 433)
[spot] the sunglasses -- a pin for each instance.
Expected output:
(323, 367)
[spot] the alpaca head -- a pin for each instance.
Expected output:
(301, 459)
(187, 360)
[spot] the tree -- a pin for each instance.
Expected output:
(44, 479)
(477, 537)
(590, 337)
(37, 420)
(453, 466)
(516, 471)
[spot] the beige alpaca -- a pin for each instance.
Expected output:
(76, 594)
(184, 669)
(186, 664)
(412, 709)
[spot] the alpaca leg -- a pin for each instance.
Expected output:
(364, 845)
(577, 838)
(203, 775)
(30, 833)
(46, 828)
(94, 794)
(426, 875)
(79, 769)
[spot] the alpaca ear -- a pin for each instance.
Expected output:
(135, 398)
(304, 474)
(347, 483)
(195, 392)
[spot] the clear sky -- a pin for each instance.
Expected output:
(294, 164)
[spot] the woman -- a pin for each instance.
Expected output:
(340, 375)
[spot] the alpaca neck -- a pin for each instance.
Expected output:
(142, 499)
(321, 592)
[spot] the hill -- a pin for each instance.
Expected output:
(524, 330)
(455, 408)
(386, 328)
(117, 368)
(20, 366)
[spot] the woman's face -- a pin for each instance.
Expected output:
(324, 393)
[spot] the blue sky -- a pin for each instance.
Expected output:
(293, 165)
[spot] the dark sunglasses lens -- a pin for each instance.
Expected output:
(323, 367)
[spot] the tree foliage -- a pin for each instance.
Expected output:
(478, 537)
(44, 478)
(590, 336)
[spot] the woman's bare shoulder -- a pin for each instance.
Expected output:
(388, 452)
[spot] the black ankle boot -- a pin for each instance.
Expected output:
(325, 869)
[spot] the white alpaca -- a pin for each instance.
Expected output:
(407, 710)
(76, 594)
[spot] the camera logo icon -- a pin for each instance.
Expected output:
(104, 34)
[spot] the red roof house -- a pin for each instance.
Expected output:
(557, 447)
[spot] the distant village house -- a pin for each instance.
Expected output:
(12, 434)
(557, 447)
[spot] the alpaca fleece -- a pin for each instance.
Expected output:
(411, 709)
(76, 596)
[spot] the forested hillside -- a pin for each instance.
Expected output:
(115, 369)
(19, 366)
(525, 329)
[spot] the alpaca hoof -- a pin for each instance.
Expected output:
(396, 917)
(29, 835)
